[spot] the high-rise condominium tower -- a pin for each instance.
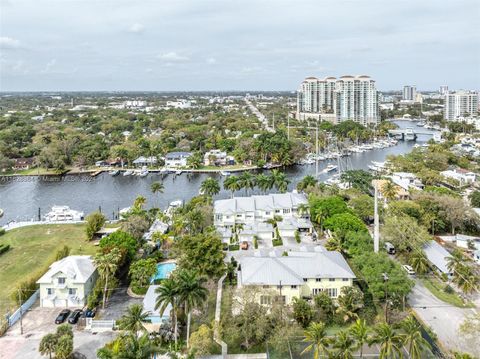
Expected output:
(460, 104)
(347, 98)
(409, 93)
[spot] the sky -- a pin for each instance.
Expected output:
(194, 45)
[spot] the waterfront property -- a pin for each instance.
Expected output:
(300, 274)
(407, 181)
(68, 282)
(218, 158)
(253, 216)
(145, 161)
(462, 176)
(176, 159)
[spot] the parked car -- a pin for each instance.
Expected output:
(62, 316)
(244, 245)
(408, 269)
(90, 313)
(76, 314)
(390, 248)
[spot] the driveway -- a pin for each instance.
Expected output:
(442, 317)
(40, 321)
(117, 305)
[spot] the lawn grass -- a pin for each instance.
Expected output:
(32, 250)
(436, 287)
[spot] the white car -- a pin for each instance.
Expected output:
(408, 269)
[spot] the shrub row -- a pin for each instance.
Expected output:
(4, 248)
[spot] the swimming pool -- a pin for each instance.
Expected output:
(163, 270)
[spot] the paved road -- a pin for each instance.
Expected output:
(443, 318)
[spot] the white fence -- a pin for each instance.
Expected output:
(99, 325)
(12, 319)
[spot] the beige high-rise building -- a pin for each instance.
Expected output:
(460, 104)
(336, 100)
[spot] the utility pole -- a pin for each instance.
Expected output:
(288, 127)
(376, 229)
(316, 151)
(21, 314)
(385, 280)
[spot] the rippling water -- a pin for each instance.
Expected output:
(22, 197)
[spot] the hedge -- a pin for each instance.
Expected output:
(4, 248)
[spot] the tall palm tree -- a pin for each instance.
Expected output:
(319, 217)
(455, 261)
(413, 340)
(191, 293)
(391, 342)
(139, 202)
(210, 187)
(48, 344)
(280, 180)
(303, 209)
(232, 183)
(419, 261)
(137, 348)
(344, 345)
(263, 182)
(157, 187)
(359, 332)
(316, 336)
(107, 265)
(389, 190)
(307, 181)
(247, 181)
(133, 321)
(167, 293)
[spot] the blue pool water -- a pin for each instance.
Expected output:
(163, 271)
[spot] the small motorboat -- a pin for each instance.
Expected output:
(330, 168)
(128, 173)
(225, 173)
(114, 173)
(63, 213)
(143, 173)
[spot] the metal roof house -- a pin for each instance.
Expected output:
(437, 255)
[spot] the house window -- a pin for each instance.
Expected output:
(293, 287)
(239, 216)
(332, 292)
(265, 286)
(265, 300)
(72, 291)
(50, 291)
(280, 299)
(305, 279)
(267, 213)
(331, 279)
(285, 211)
(218, 217)
(345, 279)
(277, 211)
(318, 279)
(61, 280)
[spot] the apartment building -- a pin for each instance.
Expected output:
(409, 93)
(460, 104)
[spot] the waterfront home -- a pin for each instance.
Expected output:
(145, 161)
(300, 274)
(252, 213)
(460, 175)
(217, 158)
(176, 159)
(401, 194)
(68, 282)
(407, 181)
(437, 256)
(23, 163)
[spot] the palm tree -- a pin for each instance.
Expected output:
(359, 332)
(391, 343)
(107, 265)
(307, 181)
(133, 321)
(419, 261)
(334, 244)
(263, 182)
(48, 344)
(316, 336)
(232, 183)
(344, 345)
(210, 187)
(413, 339)
(455, 261)
(247, 181)
(319, 217)
(280, 181)
(191, 294)
(349, 302)
(168, 294)
(157, 187)
(303, 209)
(139, 202)
(389, 190)
(137, 348)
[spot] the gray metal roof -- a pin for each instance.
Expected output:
(437, 255)
(291, 270)
(77, 268)
(266, 202)
(149, 303)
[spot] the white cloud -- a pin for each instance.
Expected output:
(211, 61)
(49, 66)
(136, 28)
(172, 57)
(8, 43)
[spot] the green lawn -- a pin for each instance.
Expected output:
(32, 249)
(436, 287)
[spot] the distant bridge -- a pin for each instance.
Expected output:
(407, 134)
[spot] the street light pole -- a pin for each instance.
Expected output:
(385, 280)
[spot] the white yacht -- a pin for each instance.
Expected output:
(128, 173)
(64, 213)
(225, 173)
(330, 168)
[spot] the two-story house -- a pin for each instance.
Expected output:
(300, 274)
(462, 176)
(68, 282)
(176, 159)
(407, 181)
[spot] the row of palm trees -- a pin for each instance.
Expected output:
(392, 340)
(464, 274)
(249, 181)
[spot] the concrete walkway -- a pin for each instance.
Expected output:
(218, 310)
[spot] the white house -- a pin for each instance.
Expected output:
(463, 177)
(145, 161)
(217, 158)
(407, 181)
(68, 282)
(248, 215)
(177, 159)
(300, 274)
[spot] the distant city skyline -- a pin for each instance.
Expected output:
(262, 45)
